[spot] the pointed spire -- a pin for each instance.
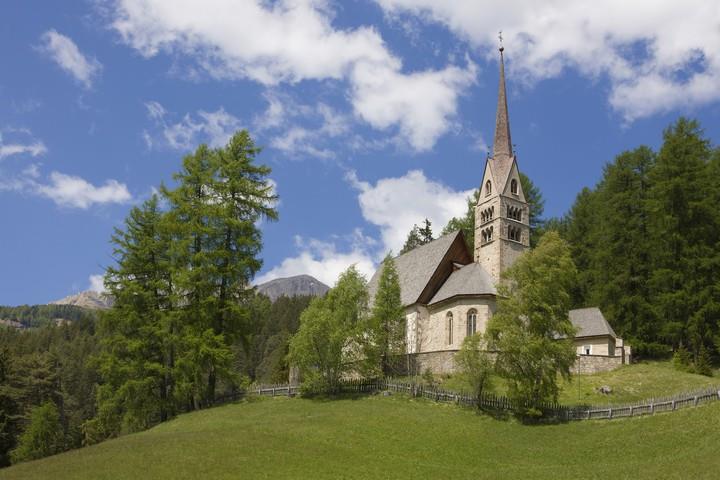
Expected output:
(502, 145)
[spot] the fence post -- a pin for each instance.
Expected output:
(673, 404)
(696, 401)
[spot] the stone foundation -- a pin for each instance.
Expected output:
(588, 364)
(439, 363)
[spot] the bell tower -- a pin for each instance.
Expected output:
(502, 224)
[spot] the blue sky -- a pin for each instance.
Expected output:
(373, 114)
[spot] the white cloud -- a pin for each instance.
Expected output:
(68, 56)
(396, 204)
(298, 141)
(31, 146)
(323, 261)
(76, 192)
(658, 55)
(214, 128)
(97, 283)
(294, 40)
(422, 104)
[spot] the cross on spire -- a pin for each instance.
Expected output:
(501, 39)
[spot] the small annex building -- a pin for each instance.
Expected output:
(448, 291)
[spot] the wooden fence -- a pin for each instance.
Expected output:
(499, 403)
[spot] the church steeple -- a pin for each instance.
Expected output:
(502, 145)
(502, 227)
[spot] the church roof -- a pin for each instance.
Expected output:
(590, 322)
(503, 157)
(423, 267)
(471, 279)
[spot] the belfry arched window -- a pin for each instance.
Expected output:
(449, 328)
(514, 187)
(488, 188)
(471, 321)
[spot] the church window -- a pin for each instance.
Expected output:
(514, 186)
(488, 188)
(471, 321)
(490, 233)
(587, 349)
(450, 327)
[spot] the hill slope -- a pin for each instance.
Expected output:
(88, 299)
(298, 285)
(393, 437)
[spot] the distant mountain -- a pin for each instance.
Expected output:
(293, 287)
(88, 299)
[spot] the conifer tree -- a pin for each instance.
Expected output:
(386, 339)
(43, 436)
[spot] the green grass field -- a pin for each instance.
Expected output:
(393, 437)
(629, 383)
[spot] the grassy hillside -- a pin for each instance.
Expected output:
(629, 383)
(393, 437)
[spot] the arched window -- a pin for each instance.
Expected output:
(488, 188)
(471, 321)
(450, 328)
(490, 233)
(514, 187)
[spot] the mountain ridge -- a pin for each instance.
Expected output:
(297, 285)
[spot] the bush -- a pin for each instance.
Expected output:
(650, 350)
(681, 359)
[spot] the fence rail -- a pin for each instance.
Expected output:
(501, 403)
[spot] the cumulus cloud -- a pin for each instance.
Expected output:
(658, 55)
(76, 192)
(293, 40)
(214, 128)
(396, 204)
(63, 51)
(96, 283)
(66, 190)
(324, 261)
(392, 204)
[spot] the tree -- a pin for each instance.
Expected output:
(140, 333)
(536, 205)
(531, 330)
(418, 236)
(220, 198)
(683, 230)
(386, 335)
(475, 364)
(326, 345)
(10, 407)
(43, 436)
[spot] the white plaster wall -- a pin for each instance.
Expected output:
(599, 345)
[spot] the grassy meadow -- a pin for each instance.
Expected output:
(392, 437)
(629, 383)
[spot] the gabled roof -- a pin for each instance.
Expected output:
(590, 322)
(424, 266)
(471, 279)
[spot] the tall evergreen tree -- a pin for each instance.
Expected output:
(683, 228)
(386, 335)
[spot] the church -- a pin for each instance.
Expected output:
(448, 292)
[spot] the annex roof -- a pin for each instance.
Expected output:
(471, 279)
(590, 322)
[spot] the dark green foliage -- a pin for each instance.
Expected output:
(43, 437)
(418, 236)
(181, 289)
(646, 241)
